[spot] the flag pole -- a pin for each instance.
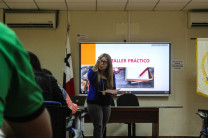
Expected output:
(68, 26)
(68, 79)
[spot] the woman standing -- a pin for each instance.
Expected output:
(102, 81)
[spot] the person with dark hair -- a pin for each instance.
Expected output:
(49, 85)
(46, 71)
(34, 62)
(102, 86)
(76, 132)
(71, 105)
(21, 102)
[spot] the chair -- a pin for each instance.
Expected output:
(75, 124)
(52, 103)
(60, 123)
(128, 100)
(58, 118)
(204, 115)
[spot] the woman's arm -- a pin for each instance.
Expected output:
(92, 75)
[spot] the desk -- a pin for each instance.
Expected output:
(125, 114)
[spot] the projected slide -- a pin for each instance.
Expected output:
(140, 68)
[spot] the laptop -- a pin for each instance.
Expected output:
(79, 100)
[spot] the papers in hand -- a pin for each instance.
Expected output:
(110, 91)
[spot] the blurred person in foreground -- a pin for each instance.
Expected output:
(21, 101)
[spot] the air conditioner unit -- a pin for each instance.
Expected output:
(197, 19)
(31, 19)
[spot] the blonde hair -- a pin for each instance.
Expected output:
(108, 72)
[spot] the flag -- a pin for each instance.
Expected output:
(68, 81)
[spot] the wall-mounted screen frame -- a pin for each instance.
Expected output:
(140, 68)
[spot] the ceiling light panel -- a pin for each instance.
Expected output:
(52, 6)
(82, 1)
(111, 6)
(50, 1)
(146, 1)
(3, 6)
(140, 6)
(199, 1)
(111, 1)
(175, 1)
(196, 6)
(81, 6)
(170, 6)
(21, 5)
(17, 1)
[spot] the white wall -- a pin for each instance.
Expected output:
(145, 26)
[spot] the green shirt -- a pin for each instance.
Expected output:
(20, 96)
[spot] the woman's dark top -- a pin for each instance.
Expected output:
(94, 95)
(51, 91)
(103, 100)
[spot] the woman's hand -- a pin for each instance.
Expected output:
(95, 68)
(114, 92)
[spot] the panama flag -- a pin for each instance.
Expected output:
(68, 82)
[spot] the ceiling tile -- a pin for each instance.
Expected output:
(28, 1)
(49, 1)
(111, 1)
(195, 6)
(146, 1)
(140, 6)
(3, 6)
(111, 6)
(21, 5)
(52, 6)
(199, 1)
(170, 6)
(82, 6)
(175, 1)
(82, 1)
